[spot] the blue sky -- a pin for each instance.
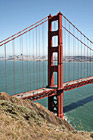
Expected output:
(15, 15)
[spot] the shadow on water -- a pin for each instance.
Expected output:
(77, 104)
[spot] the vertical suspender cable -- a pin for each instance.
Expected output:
(43, 52)
(29, 62)
(84, 58)
(13, 49)
(90, 59)
(73, 57)
(65, 51)
(87, 59)
(27, 58)
(33, 64)
(36, 62)
(81, 56)
(78, 55)
(39, 58)
(68, 56)
(22, 64)
(5, 68)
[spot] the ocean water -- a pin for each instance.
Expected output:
(78, 103)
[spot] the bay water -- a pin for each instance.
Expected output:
(25, 76)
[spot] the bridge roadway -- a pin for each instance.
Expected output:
(51, 91)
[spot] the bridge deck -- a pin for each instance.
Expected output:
(50, 91)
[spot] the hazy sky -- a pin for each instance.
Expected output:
(18, 14)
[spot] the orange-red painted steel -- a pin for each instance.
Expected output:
(53, 91)
(52, 68)
(60, 68)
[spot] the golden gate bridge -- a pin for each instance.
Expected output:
(67, 51)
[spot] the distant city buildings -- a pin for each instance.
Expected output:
(22, 57)
(25, 58)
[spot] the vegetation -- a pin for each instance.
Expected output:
(25, 120)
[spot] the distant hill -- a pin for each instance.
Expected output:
(78, 58)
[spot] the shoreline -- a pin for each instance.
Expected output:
(46, 60)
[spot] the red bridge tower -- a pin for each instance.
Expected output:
(55, 102)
